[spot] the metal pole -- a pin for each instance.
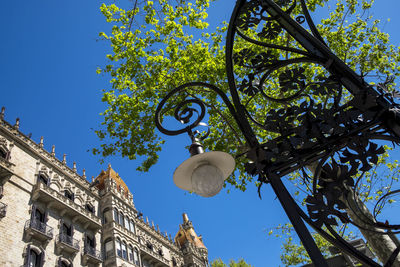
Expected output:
(290, 208)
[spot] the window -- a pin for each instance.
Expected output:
(124, 255)
(126, 222)
(38, 216)
(136, 256)
(66, 230)
(149, 245)
(108, 248)
(90, 241)
(116, 215)
(118, 245)
(107, 215)
(89, 208)
(121, 219)
(34, 257)
(174, 262)
(3, 154)
(68, 194)
(160, 252)
(130, 251)
(42, 178)
(62, 262)
(132, 228)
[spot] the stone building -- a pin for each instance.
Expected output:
(52, 216)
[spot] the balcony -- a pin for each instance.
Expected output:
(91, 255)
(38, 230)
(120, 228)
(6, 170)
(67, 243)
(66, 206)
(150, 254)
(3, 210)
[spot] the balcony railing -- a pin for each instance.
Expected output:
(68, 240)
(91, 251)
(3, 210)
(39, 227)
(45, 194)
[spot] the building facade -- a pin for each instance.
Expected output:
(52, 216)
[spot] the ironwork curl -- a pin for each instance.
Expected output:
(183, 111)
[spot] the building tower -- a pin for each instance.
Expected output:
(129, 240)
(195, 254)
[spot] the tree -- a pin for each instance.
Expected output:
(232, 263)
(155, 49)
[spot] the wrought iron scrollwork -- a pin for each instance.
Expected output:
(185, 111)
(317, 113)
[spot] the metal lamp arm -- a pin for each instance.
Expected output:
(197, 122)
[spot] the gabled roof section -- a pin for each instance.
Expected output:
(110, 174)
(186, 234)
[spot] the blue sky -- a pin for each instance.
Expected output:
(49, 52)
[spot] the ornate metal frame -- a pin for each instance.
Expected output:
(325, 124)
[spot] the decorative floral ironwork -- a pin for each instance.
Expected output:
(318, 113)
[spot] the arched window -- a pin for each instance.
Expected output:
(62, 262)
(132, 228)
(121, 219)
(35, 257)
(130, 252)
(116, 215)
(118, 247)
(108, 248)
(124, 254)
(136, 257)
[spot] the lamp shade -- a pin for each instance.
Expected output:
(204, 173)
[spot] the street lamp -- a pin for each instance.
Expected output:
(332, 138)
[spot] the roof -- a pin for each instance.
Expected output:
(111, 174)
(186, 233)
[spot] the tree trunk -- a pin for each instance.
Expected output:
(381, 244)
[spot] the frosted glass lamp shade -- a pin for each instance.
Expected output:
(207, 180)
(204, 173)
